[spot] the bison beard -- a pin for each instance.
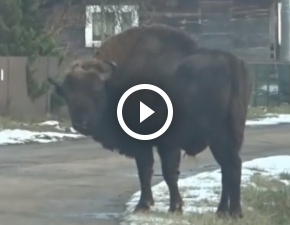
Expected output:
(209, 90)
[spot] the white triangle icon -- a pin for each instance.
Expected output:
(145, 112)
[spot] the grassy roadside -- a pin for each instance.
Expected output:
(265, 202)
(266, 205)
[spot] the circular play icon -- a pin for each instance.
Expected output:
(145, 112)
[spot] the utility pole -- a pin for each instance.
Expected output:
(285, 30)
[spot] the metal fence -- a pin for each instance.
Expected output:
(272, 83)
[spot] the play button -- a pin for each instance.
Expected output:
(145, 112)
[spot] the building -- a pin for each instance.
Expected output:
(248, 28)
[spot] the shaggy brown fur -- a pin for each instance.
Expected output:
(209, 90)
(150, 40)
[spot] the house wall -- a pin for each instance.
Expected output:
(246, 28)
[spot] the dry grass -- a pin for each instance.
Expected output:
(285, 176)
(264, 182)
(267, 205)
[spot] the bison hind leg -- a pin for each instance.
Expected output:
(226, 152)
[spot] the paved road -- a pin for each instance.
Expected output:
(77, 182)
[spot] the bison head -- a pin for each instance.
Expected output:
(83, 90)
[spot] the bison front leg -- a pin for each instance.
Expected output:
(170, 160)
(144, 161)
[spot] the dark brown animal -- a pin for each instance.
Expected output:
(209, 90)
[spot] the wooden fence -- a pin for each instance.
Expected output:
(14, 91)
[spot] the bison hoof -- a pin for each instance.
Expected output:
(222, 213)
(176, 209)
(234, 215)
(238, 214)
(143, 207)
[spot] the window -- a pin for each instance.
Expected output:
(111, 20)
(100, 27)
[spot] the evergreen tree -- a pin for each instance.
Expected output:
(21, 32)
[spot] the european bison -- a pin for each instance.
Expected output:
(209, 90)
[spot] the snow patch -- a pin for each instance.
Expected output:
(270, 119)
(21, 136)
(17, 136)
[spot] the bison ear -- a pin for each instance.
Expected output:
(108, 74)
(112, 64)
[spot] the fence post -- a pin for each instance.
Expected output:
(255, 86)
(268, 87)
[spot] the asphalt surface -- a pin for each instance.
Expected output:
(78, 182)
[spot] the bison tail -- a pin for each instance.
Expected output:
(242, 82)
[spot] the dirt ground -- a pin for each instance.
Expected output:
(77, 182)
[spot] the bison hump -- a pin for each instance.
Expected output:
(151, 40)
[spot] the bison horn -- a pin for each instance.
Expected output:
(53, 82)
(112, 64)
